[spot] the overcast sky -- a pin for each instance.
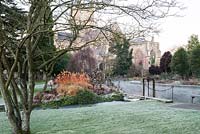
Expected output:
(176, 31)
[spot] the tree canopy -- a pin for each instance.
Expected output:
(123, 60)
(61, 64)
(193, 42)
(192, 48)
(180, 63)
(195, 61)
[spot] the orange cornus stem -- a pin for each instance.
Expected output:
(70, 83)
(72, 78)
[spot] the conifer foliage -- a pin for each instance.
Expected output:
(180, 63)
(123, 59)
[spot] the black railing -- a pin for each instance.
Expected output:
(146, 84)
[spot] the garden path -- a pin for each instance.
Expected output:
(181, 93)
(187, 106)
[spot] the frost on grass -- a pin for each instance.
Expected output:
(139, 117)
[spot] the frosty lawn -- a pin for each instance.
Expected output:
(141, 117)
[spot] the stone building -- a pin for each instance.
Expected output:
(100, 47)
(102, 39)
(145, 53)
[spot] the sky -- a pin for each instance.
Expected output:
(175, 31)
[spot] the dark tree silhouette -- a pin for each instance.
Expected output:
(165, 62)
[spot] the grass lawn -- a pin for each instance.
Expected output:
(39, 86)
(141, 117)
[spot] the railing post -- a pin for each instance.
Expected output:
(143, 81)
(172, 93)
(148, 85)
(154, 90)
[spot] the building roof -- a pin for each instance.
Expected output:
(138, 40)
(64, 36)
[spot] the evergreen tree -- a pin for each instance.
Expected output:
(180, 63)
(61, 64)
(123, 59)
(165, 62)
(195, 61)
(193, 42)
(192, 47)
(11, 21)
(46, 49)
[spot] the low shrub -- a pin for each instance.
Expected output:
(83, 97)
(86, 97)
(116, 96)
(65, 101)
(135, 71)
(154, 70)
(102, 90)
(166, 76)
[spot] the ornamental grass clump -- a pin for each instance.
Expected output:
(70, 83)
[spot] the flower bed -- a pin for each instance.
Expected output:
(75, 88)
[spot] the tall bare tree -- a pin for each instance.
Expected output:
(18, 92)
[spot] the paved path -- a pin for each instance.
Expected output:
(181, 93)
(187, 106)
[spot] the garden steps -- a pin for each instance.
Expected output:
(131, 98)
(159, 99)
(138, 97)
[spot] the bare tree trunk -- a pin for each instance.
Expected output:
(46, 81)
(26, 122)
(17, 130)
(15, 122)
(11, 110)
(16, 125)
